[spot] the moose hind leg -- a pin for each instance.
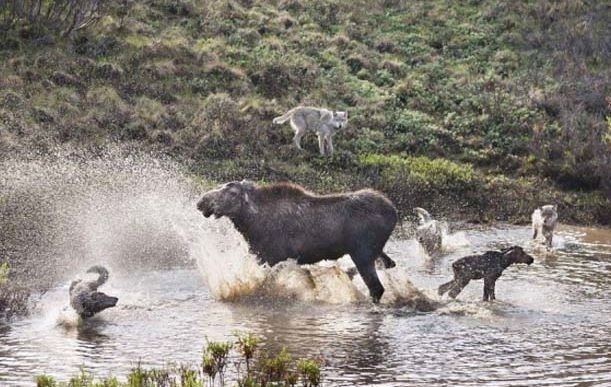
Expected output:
(367, 270)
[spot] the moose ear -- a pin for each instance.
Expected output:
(250, 204)
(248, 184)
(507, 249)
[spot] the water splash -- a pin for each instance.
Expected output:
(223, 259)
(455, 241)
(70, 209)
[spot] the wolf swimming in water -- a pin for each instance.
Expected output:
(84, 297)
(429, 232)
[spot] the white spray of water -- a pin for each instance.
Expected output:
(451, 242)
(135, 212)
(223, 259)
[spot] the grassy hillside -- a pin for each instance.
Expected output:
(480, 110)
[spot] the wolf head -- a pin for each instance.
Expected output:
(340, 119)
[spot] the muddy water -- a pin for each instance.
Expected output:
(181, 278)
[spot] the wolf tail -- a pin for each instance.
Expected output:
(285, 117)
(103, 275)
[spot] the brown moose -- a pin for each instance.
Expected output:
(282, 221)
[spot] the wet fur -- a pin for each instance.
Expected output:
(282, 221)
(84, 297)
(488, 266)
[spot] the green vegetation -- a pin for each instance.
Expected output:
(4, 270)
(480, 101)
(268, 370)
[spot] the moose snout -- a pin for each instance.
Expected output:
(204, 207)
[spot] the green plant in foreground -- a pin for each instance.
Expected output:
(83, 379)
(276, 368)
(247, 345)
(263, 370)
(45, 381)
(310, 372)
(215, 359)
(4, 271)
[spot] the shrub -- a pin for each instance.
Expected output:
(45, 381)
(437, 174)
(278, 370)
(62, 17)
(310, 372)
(4, 270)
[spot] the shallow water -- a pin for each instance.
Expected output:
(181, 278)
(550, 326)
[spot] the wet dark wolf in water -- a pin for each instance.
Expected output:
(84, 297)
(282, 221)
(488, 266)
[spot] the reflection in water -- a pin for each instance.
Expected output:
(181, 279)
(550, 325)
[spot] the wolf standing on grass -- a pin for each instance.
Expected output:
(322, 121)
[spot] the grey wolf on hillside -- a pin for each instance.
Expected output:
(283, 220)
(323, 122)
(489, 266)
(544, 221)
(429, 231)
(84, 297)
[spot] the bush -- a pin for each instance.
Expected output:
(4, 270)
(437, 174)
(267, 370)
(60, 16)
